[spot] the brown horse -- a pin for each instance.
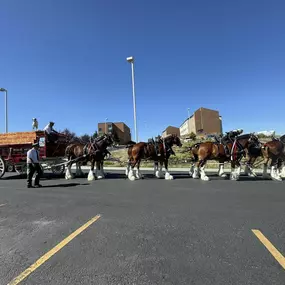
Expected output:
(147, 151)
(82, 153)
(202, 152)
(275, 151)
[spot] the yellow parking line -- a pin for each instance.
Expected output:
(271, 248)
(53, 251)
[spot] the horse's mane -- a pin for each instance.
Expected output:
(99, 138)
(245, 136)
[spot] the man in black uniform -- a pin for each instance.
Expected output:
(33, 166)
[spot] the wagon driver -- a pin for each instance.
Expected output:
(33, 166)
(51, 133)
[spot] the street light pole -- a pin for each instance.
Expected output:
(131, 61)
(6, 108)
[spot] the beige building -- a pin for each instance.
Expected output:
(185, 129)
(202, 122)
(120, 130)
(170, 130)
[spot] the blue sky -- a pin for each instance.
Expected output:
(66, 61)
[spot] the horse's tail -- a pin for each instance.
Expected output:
(67, 151)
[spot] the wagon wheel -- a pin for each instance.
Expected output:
(21, 168)
(2, 167)
(58, 169)
(9, 166)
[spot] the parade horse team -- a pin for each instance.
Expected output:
(231, 148)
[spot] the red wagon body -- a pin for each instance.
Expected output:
(14, 148)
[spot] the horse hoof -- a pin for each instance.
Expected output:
(159, 174)
(132, 178)
(233, 178)
(276, 178)
(100, 177)
(223, 175)
(68, 177)
(205, 178)
(190, 174)
(91, 178)
(168, 176)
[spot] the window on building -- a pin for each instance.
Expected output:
(100, 129)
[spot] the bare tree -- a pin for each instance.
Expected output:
(85, 138)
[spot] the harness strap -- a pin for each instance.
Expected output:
(164, 148)
(232, 150)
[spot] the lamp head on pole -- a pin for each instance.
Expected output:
(3, 89)
(130, 59)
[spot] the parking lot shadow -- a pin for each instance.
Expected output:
(64, 185)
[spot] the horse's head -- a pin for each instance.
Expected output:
(247, 140)
(253, 139)
(177, 141)
(173, 140)
(104, 141)
(110, 140)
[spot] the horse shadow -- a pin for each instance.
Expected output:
(64, 185)
(243, 177)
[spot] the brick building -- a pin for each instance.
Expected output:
(202, 122)
(170, 130)
(119, 129)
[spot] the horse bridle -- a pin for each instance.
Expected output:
(94, 146)
(165, 144)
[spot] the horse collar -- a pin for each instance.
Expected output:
(164, 147)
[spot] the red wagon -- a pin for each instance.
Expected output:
(14, 148)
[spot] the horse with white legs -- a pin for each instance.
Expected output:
(282, 170)
(100, 167)
(202, 152)
(146, 151)
(94, 152)
(273, 151)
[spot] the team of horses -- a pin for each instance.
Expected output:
(246, 145)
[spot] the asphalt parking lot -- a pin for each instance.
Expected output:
(151, 231)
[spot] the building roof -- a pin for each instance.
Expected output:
(207, 109)
(186, 120)
(169, 127)
(198, 110)
(109, 122)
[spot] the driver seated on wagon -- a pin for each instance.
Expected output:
(52, 134)
(229, 138)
